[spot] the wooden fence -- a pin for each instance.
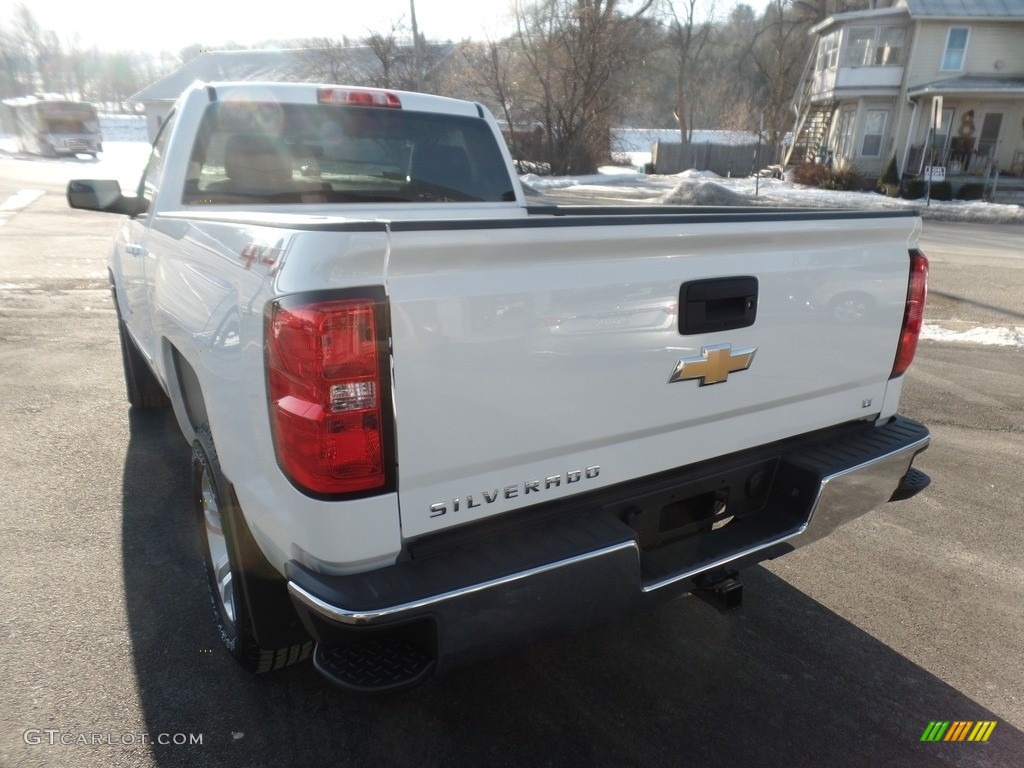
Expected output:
(723, 159)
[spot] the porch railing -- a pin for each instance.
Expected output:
(956, 160)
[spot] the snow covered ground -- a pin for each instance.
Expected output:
(624, 185)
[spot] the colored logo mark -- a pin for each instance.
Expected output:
(958, 730)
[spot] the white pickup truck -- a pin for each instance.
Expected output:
(431, 421)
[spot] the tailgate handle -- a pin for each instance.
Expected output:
(719, 304)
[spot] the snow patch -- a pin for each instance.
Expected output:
(690, 191)
(990, 336)
(541, 183)
(616, 170)
(124, 128)
(693, 173)
(20, 199)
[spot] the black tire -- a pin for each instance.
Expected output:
(235, 561)
(141, 385)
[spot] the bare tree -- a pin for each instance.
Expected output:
(394, 69)
(487, 73)
(730, 102)
(687, 37)
(120, 79)
(326, 59)
(402, 60)
(382, 59)
(34, 59)
(16, 69)
(813, 11)
(574, 50)
(779, 50)
(82, 68)
(42, 48)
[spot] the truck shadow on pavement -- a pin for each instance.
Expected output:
(784, 681)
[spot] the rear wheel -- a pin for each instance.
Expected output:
(229, 553)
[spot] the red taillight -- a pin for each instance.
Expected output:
(913, 315)
(324, 363)
(358, 97)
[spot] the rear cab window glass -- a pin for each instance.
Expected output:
(267, 153)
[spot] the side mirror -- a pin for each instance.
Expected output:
(103, 196)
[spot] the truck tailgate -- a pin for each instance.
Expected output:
(536, 359)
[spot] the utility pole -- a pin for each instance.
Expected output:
(757, 163)
(936, 123)
(416, 58)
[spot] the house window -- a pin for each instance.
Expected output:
(860, 46)
(889, 50)
(875, 47)
(874, 130)
(828, 52)
(956, 48)
(844, 135)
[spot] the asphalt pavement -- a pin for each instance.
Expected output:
(842, 654)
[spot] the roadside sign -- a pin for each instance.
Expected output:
(935, 172)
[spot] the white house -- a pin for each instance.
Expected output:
(877, 76)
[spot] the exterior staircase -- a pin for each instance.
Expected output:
(813, 120)
(813, 133)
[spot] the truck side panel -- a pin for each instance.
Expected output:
(210, 298)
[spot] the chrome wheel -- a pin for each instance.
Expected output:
(217, 546)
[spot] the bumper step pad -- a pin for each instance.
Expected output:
(912, 484)
(374, 664)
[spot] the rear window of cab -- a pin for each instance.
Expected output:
(265, 153)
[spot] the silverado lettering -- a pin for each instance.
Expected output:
(512, 491)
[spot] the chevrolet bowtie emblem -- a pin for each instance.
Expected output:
(714, 364)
